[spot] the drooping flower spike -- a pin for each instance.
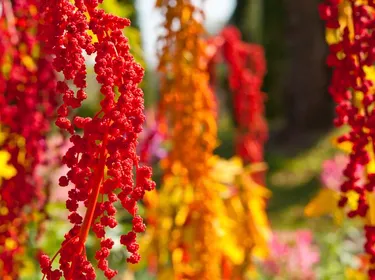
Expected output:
(103, 158)
(352, 58)
(27, 106)
(247, 67)
(189, 108)
(186, 99)
(247, 198)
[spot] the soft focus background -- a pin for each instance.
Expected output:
(301, 158)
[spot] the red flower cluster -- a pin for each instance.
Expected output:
(247, 67)
(102, 159)
(353, 92)
(27, 105)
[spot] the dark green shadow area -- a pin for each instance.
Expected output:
(288, 197)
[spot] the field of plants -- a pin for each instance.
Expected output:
(247, 152)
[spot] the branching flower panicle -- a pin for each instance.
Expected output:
(102, 159)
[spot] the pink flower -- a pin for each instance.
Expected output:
(293, 256)
(332, 172)
(150, 139)
(332, 176)
(52, 169)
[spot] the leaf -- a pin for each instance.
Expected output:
(134, 37)
(28, 62)
(370, 72)
(225, 171)
(234, 252)
(166, 274)
(325, 202)
(371, 212)
(352, 199)
(345, 146)
(353, 274)
(332, 36)
(181, 215)
(118, 9)
(7, 171)
(27, 268)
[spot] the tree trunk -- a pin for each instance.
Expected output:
(248, 17)
(308, 106)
